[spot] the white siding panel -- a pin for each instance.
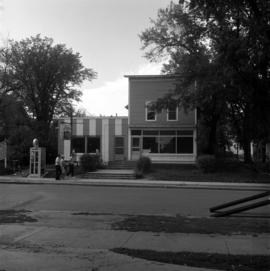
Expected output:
(79, 127)
(66, 149)
(118, 127)
(105, 140)
(92, 127)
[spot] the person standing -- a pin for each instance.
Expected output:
(57, 167)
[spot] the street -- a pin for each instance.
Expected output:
(115, 200)
(71, 226)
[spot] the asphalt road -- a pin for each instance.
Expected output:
(115, 200)
(72, 228)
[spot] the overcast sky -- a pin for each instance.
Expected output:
(104, 32)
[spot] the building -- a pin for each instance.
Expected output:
(106, 136)
(165, 137)
(169, 136)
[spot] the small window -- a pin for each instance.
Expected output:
(172, 113)
(150, 113)
(136, 132)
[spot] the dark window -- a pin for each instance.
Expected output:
(93, 144)
(167, 144)
(150, 143)
(150, 113)
(167, 132)
(185, 145)
(172, 113)
(135, 144)
(185, 132)
(78, 144)
(119, 145)
(136, 132)
(150, 132)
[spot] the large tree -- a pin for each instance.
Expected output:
(44, 76)
(221, 52)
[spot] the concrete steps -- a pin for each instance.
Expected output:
(121, 164)
(118, 174)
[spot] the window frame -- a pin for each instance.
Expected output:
(176, 114)
(147, 112)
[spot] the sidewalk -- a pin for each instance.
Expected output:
(136, 183)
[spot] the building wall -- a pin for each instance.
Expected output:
(106, 128)
(142, 90)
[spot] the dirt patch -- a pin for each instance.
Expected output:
(15, 216)
(181, 224)
(203, 260)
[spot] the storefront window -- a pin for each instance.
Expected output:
(167, 144)
(151, 144)
(93, 144)
(78, 144)
(185, 145)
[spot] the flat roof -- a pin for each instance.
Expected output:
(151, 76)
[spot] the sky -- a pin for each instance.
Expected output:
(104, 32)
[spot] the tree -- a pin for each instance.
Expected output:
(216, 46)
(44, 77)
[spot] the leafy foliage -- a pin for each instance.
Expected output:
(89, 162)
(222, 64)
(44, 77)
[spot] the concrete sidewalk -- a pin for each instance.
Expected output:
(136, 183)
(40, 247)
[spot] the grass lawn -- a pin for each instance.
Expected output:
(191, 173)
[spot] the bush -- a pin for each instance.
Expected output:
(89, 162)
(143, 165)
(207, 163)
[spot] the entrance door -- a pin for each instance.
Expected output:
(119, 148)
(135, 148)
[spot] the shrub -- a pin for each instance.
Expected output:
(143, 165)
(89, 162)
(207, 163)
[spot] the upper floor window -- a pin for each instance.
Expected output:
(172, 113)
(150, 113)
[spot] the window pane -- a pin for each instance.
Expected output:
(185, 132)
(185, 145)
(136, 132)
(150, 132)
(93, 144)
(150, 143)
(151, 115)
(172, 114)
(135, 142)
(119, 141)
(167, 145)
(78, 144)
(167, 132)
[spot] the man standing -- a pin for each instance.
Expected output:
(57, 167)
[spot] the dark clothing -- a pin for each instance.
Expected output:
(71, 169)
(58, 172)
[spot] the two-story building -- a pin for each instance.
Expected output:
(168, 136)
(165, 137)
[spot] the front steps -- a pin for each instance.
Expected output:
(115, 174)
(122, 164)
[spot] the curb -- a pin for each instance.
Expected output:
(137, 183)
